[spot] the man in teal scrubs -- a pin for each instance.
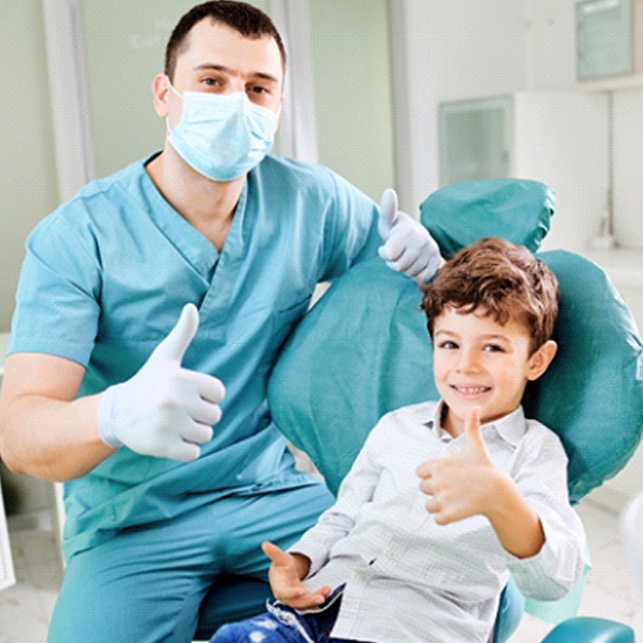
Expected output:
(151, 310)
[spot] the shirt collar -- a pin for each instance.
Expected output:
(511, 427)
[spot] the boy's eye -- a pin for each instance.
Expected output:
(449, 345)
(494, 348)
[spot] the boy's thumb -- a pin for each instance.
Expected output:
(276, 555)
(472, 432)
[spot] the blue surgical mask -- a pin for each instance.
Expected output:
(222, 136)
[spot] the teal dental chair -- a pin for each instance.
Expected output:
(363, 350)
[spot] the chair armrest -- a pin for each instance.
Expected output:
(584, 629)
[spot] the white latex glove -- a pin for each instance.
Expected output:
(164, 410)
(408, 245)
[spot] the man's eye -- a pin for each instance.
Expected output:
(258, 89)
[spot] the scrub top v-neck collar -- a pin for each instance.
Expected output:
(198, 251)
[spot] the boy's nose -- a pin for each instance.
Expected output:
(468, 362)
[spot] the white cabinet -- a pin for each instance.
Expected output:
(609, 43)
(559, 138)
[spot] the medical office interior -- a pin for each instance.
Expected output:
(414, 94)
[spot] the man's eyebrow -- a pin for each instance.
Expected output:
(234, 72)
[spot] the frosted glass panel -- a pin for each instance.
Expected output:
(604, 38)
(475, 140)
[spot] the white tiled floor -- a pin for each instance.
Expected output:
(25, 609)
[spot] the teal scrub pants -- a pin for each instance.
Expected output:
(148, 583)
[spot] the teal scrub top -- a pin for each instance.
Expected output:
(104, 281)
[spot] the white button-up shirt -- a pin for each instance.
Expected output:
(409, 579)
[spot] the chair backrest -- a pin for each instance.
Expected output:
(363, 349)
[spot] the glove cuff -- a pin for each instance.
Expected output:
(106, 420)
(431, 269)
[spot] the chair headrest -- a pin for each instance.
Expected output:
(515, 209)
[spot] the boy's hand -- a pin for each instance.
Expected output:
(285, 576)
(469, 484)
(463, 485)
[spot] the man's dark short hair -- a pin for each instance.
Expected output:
(240, 16)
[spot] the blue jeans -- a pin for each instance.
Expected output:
(282, 624)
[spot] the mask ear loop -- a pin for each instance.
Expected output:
(168, 130)
(171, 86)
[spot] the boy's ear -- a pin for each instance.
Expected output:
(541, 359)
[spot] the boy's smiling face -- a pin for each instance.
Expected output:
(480, 363)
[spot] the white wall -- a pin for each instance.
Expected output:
(561, 139)
(628, 168)
(447, 51)
(463, 49)
(28, 187)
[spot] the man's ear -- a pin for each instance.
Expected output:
(160, 90)
(541, 359)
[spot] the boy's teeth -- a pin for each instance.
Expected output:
(471, 390)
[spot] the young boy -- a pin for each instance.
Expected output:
(425, 560)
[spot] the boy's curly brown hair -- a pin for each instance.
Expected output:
(501, 279)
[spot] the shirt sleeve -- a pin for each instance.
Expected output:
(335, 523)
(57, 300)
(351, 236)
(542, 478)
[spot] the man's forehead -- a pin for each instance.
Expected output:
(213, 43)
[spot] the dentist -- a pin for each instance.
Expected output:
(150, 311)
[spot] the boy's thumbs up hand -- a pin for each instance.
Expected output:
(460, 486)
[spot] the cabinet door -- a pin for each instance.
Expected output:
(475, 140)
(604, 38)
(7, 577)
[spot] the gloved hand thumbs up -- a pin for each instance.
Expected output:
(408, 245)
(173, 347)
(164, 410)
(388, 212)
